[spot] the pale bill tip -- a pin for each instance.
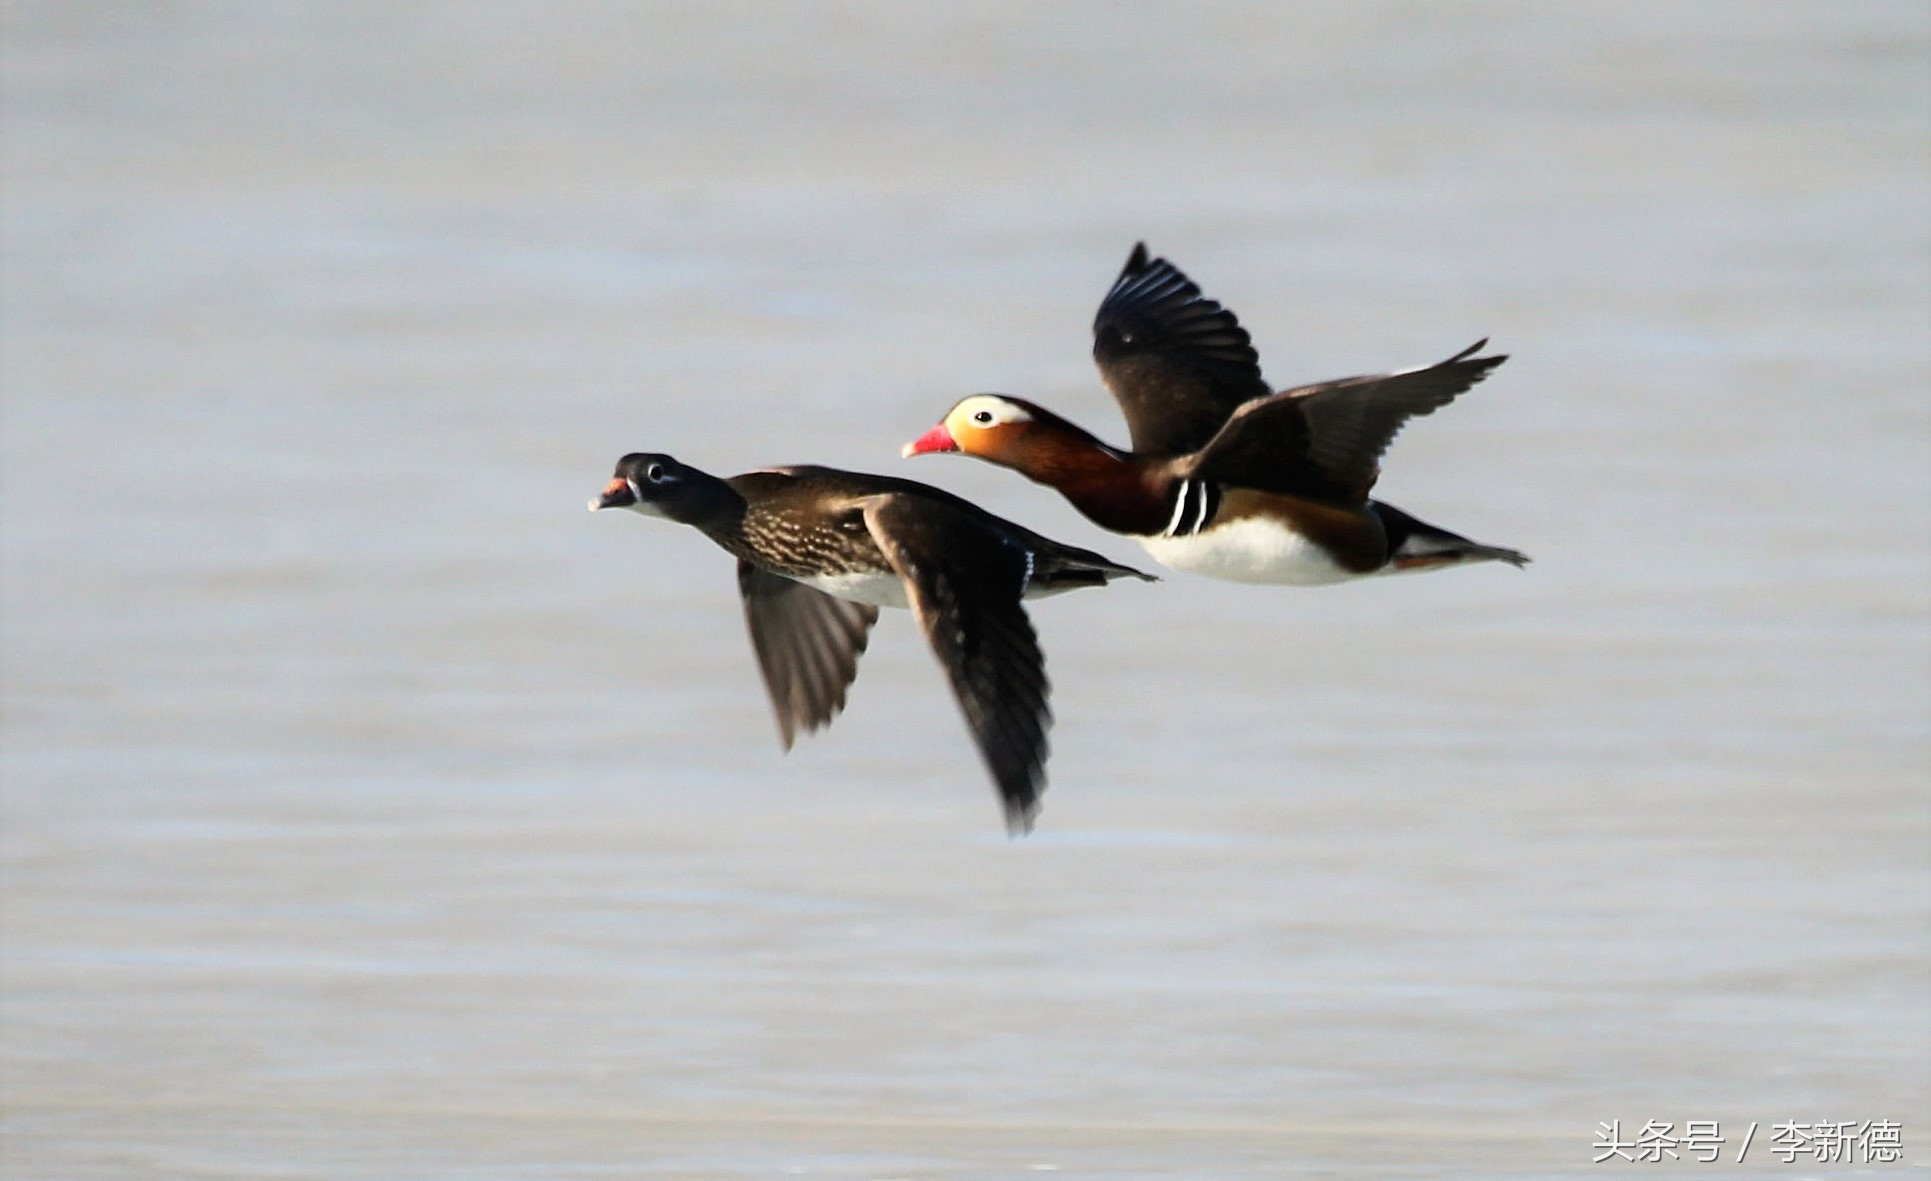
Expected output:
(595, 504)
(908, 451)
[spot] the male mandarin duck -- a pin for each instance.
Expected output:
(1226, 478)
(820, 551)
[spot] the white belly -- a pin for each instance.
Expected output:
(1252, 549)
(879, 590)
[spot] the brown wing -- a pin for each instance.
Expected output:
(1177, 362)
(808, 644)
(964, 582)
(1327, 439)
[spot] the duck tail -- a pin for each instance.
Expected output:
(1414, 544)
(1105, 570)
(1069, 568)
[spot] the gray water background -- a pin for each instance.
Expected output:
(371, 810)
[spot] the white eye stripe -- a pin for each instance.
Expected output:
(992, 412)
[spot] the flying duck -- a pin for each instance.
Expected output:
(820, 551)
(1226, 477)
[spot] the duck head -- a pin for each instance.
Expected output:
(989, 426)
(657, 485)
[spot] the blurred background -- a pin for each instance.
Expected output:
(372, 810)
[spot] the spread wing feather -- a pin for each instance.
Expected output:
(964, 582)
(808, 644)
(1326, 440)
(1177, 362)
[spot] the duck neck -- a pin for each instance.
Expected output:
(715, 508)
(1113, 489)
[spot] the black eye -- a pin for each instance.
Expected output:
(654, 473)
(983, 418)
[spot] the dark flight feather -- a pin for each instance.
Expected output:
(981, 636)
(808, 644)
(1177, 362)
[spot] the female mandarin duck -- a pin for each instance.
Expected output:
(820, 551)
(1226, 478)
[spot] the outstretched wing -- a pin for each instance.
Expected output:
(964, 582)
(1327, 439)
(1177, 362)
(808, 644)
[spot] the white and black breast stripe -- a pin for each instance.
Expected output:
(1194, 504)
